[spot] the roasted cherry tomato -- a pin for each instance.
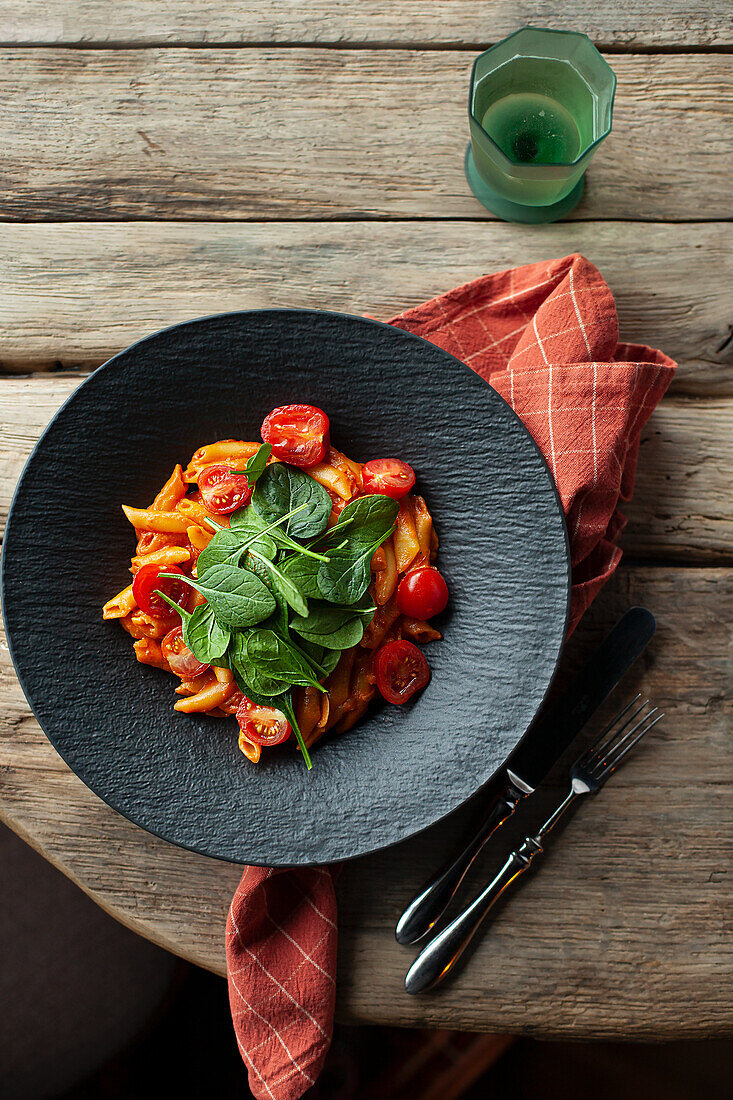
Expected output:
(389, 476)
(422, 593)
(222, 490)
(298, 434)
(147, 580)
(263, 725)
(179, 656)
(401, 670)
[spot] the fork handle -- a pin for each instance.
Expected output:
(425, 909)
(435, 960)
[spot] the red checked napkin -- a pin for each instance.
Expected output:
(545, 337)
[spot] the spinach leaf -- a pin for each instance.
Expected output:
(253, 521)
(367, 520)
(251, 680)
(325, 660)
(278, 620)
(203, 635)
(345, 576)
(200, 631)
(224, 549)
(287, 708)
(303, 571)
(330, 627)
(272, 656)
(239, 598)
(256, 465)
(281, 489)
(283, 585)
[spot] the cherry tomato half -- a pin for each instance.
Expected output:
(298, 434)
(179, 656)
(223, 491)
(401, 670)
(148, 579)
(263, 725)
(422, 593)
(389, 476)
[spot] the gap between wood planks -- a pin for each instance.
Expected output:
(611, 48)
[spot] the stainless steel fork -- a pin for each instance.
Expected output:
(588, 774)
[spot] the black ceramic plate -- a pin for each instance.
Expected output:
(503, 550)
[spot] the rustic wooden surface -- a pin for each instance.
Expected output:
(617, 23)
(253, 133)
(163, 161)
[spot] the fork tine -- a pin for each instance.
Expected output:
(603, 743)
(617, 742)
(611, 764)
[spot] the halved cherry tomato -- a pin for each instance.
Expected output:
(298, 434)
(147, 580)
(222, 490)
(179, 656)
(422, 593)
(389, 476)
(263, 725)
(401, 670)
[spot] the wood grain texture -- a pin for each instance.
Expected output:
(404, 22)
(623, 933)
(313, 133)
(73, 295)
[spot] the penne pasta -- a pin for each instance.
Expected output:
(384, 618)
(192, 511)
(131, 627)
(385, 580)
(224, 450)
(174, 489)
(198, 537)
(148, 652)
(120, 605)
(167, 555)
(423, 526)
(332, 479)
(205, 699)
(150, 540)
(149, 626)
(348, 466)
(250, 750)
(406, 545)
(144, 519)
(417, 630)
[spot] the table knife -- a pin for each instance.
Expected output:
(543, 744)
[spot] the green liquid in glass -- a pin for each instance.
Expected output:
(532, 129)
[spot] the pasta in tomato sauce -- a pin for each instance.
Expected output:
(179, 525)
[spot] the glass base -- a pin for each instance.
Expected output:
(517, 211)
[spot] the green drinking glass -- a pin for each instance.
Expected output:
(539, 105)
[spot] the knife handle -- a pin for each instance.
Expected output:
(435, 960)
(425, 909)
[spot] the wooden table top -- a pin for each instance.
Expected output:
(163, 161)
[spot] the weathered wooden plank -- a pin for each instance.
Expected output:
(680, 510)
(73, 295)
(200, 133)
(404, 22)
(623, 933)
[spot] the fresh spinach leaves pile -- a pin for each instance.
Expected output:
(285, 595)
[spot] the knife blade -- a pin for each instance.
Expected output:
(559, 724)
(542, 745)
